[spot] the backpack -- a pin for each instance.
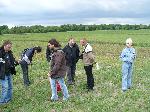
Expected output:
(24, 52)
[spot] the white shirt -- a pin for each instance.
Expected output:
(87, 48)
(26, 59)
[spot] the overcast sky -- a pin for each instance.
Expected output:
(58, 12)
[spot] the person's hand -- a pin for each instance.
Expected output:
(19, 61)
(94, 62)
(81, 56)
(49, 74)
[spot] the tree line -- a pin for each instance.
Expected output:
(68, 27)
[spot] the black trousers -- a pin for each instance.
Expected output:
(24, 67)
(71, 73)
(90, 78)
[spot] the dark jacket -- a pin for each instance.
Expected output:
(48, 54)
(58, 64)
(8, 64)
(29, 52)
(71, 54)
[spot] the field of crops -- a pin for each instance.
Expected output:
(107, 95)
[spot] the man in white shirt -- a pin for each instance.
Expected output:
(88, 60)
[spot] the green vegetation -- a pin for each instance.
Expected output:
(68, 27)
(107, 95)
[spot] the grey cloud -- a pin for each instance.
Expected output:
(79, 13)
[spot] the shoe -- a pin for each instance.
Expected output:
(65, 98)
(7, 100)
(90, 89)
(129, 87)
(3, 103)
(53, 100)
(124, 91)
(70, 83)
(27, 84)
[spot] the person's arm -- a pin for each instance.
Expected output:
(133, 54)
(65, 51)
(13, 64)
(2, 66)
(77, 54)
(123, 55)
(1, 59)
(91, 56)
(48, 54)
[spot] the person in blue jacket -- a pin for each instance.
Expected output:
(128, 56)
(26, 59)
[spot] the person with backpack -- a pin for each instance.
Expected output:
(26, 59)
(58, 70)
(7, 69)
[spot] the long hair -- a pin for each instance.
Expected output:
(6, 42)
(54, 42)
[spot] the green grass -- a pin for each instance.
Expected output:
(107, 96)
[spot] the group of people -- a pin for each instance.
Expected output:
(62, 61)
(7, 68)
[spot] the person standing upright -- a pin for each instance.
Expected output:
(58, 70)
(7, 69)
(88, 60)
(71, 51)
(128, 56)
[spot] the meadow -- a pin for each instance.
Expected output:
(107, 95)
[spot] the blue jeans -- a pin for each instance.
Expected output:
(54, 88)
(6, 93)
(126, 75)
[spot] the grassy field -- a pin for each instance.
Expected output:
(107, 95)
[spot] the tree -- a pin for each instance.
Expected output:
(4, 29)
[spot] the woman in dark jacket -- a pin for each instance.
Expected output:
(7, 68)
